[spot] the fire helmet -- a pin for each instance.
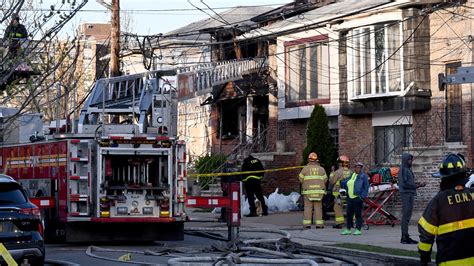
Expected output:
(312, 157)
(451, 165)
(343, 158)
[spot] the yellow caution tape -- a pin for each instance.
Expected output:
(7, 256)
(125, 257)
(246, 172)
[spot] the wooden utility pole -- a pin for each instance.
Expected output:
(115, 40)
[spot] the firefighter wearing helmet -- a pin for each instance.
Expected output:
(14, 33)
(335, 185)
(313, 180)
(449, 217)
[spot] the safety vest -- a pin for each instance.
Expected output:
(313, 179)
(350, 186)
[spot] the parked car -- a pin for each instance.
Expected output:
(21, 228)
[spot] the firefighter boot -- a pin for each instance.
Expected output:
(407, 240)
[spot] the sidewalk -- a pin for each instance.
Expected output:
(384, 236)
(377, 235)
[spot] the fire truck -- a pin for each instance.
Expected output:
(119, 175)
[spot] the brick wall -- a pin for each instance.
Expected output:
(285, 181)
(356, 135)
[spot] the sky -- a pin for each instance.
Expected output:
(153, 16)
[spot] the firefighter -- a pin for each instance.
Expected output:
(13, 34)
(313, 179)
(449, 217)
(252, 184)
(335, 185)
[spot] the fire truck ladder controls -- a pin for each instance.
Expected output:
(230, 202)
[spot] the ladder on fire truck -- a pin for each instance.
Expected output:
(132, 103)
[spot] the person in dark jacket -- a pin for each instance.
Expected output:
(449, 217)
(407, 189)
(357, 187)
(13, 34)
(253, 184)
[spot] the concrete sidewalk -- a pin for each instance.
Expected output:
(377, 235)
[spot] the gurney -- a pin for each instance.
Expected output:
(375, 213)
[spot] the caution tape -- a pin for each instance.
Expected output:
(246, 172)
(7, 256)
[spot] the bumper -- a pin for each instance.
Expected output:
(34, 250)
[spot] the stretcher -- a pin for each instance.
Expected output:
(375, 213)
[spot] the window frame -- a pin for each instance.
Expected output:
(324, 38)
(351, 83)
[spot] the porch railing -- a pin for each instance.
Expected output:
(208, 75)
(426, 131)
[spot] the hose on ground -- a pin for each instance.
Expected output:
(263, 251)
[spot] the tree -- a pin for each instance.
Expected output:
(319, 140)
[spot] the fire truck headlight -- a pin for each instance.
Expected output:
(147, 202)
(160, 120)
(122, 210)
(147, 210)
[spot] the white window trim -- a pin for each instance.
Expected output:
(350, 68)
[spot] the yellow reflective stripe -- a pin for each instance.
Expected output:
(252, 176)
(340, 219)
(455, 226)
(427, 226)
(314, 191)
(301, 176)
(466, 261)
(318, 222)
(314, 186)
(7, 257)
(424, 246)
(305, 222)
(314, 177)
(335, 194)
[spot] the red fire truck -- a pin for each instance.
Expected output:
(120, 176)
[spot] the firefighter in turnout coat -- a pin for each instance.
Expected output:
(313, 180)
(449, 217)
(335, 185)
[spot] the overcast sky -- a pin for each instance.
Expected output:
(155, 16)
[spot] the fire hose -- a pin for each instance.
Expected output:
(250, 251)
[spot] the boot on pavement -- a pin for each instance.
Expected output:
(357, 232)
(407, 240)
(338, 226)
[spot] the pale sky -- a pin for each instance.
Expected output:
(155, 16)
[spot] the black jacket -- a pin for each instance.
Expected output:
(449, 218)
(406, 178)
(252, 164)
(17, 32)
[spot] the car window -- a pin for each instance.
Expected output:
(11, 193)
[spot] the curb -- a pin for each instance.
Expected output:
(398, 260)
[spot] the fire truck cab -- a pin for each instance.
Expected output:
(121, 176)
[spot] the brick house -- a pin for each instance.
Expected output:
(373, 65)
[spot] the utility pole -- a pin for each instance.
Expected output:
(115, 40)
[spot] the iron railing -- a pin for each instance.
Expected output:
(424, 132)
